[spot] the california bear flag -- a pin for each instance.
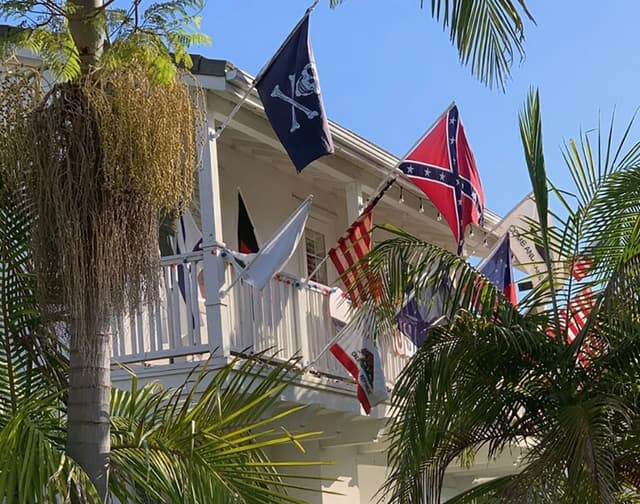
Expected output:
(359, 354)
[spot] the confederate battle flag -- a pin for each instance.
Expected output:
(443, 167)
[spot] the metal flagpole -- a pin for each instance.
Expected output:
(261, 73)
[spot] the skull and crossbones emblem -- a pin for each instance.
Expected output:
(305, 85)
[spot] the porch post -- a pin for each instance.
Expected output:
(211, 216)
(355, 200)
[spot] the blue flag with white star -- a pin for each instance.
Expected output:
(290, 92)
(497, 268)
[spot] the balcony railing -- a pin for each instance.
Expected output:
(287, 316)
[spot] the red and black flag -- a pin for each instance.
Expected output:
(247, 242)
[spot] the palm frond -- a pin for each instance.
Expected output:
(206, 440)
(488, 34)
(489, 376)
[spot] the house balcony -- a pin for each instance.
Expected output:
(192, 322)
(289, 317)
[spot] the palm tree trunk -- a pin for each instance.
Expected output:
(88, 436)
(87, 29)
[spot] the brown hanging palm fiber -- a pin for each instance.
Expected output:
(101, 158)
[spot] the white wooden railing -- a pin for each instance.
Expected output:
(172, 327)
(286, 316)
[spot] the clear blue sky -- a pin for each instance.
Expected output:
(387, 71)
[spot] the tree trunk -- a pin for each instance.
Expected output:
(88, 433)
(88, 437)
(87, 29)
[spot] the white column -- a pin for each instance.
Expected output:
(211, 217)
(355, 200)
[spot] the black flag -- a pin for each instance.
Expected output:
(247, 243)
(290, 92)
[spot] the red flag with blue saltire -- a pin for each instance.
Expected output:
(497, 268)
(443, 167)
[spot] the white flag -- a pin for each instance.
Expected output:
(529, 258)
(277, 251)
(358, 353)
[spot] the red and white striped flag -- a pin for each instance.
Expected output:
(581, 266)
(579, 309)
(574, 318)
(352, 246)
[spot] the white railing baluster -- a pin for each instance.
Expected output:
(287, 316)
(195, 305)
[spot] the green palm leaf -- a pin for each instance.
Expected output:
(491, 377)
(488, 34)
(205, 441)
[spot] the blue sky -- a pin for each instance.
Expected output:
(387, 71)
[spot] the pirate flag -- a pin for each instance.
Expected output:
(290, 92)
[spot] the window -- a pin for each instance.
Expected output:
(316, 252)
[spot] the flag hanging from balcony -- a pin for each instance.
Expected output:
(422, 311)
(530, 256)
(572, 321)
(575, 317)
(278, 250)
(443, 167)
(497, 268)
(359, 354)
(188, 236)
(189, 239)
(247, 242)
(581, 266)
(290, 92)
(352, 246)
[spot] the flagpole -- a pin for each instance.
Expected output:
(261, 73)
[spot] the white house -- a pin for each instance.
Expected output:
(163, 344)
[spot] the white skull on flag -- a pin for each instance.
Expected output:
(307, 83)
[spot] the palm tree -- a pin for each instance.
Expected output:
(95, 189)
(202, 442)
(504, 378)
